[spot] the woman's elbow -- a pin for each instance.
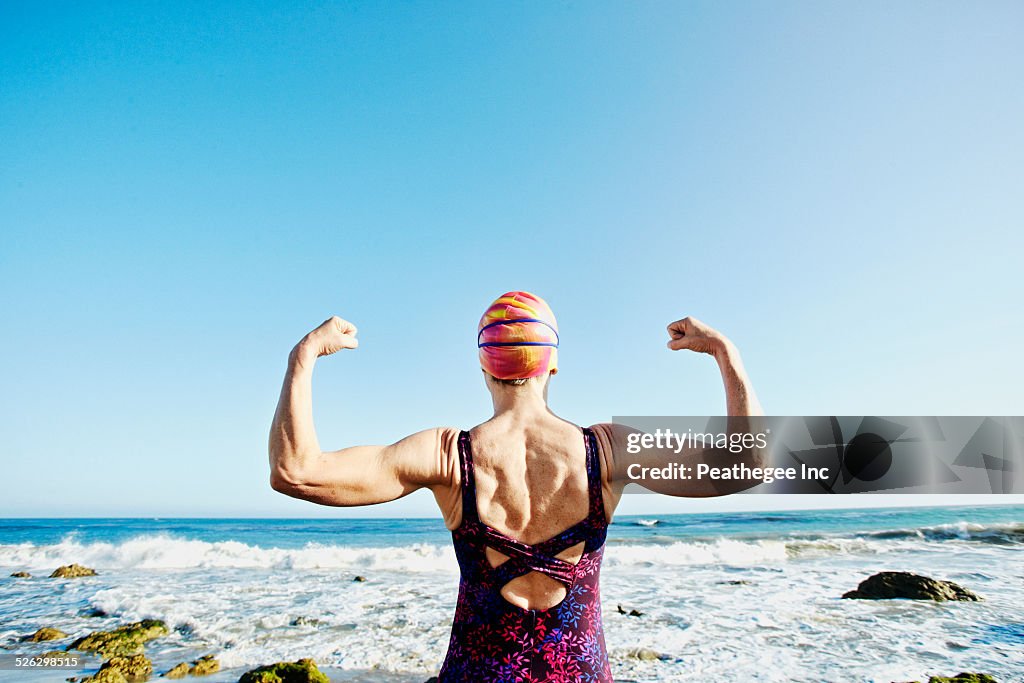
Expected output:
(288, 482)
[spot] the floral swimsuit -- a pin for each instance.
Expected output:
(495, 641)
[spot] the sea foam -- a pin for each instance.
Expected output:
(162, 551)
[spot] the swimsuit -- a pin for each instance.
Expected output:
(495, 641)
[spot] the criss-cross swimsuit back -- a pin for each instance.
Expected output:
(493, 640)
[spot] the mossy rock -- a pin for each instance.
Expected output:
(177, 671)
(302, 671)
(204, 666)
(963, 678)
(44, 634)
(123, 641)
(133, 668)
(895, 585)
(72, 571)
(21, 575)
(106, 676)
(56, 654)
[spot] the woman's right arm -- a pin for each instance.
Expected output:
(693, 335)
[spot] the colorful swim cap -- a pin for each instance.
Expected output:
(518, 337)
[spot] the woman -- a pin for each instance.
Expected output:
(527, 495)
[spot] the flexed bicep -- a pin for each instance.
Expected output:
(366, 475)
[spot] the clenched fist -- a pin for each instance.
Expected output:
(692, 334)
(333, 335)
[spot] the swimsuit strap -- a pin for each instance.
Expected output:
(596, 501)
(468, 483)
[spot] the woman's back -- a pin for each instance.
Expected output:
(529, 544)
(531, 485)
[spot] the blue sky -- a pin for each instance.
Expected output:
(186, 189)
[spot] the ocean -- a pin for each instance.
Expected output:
(724, 596)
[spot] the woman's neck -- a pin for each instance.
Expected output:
(522, 400)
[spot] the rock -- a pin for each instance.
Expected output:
(72, 571)
(177, 671)
(305, 621)
(21, 575)
(44, 634)
(92, 612)
(107, 676)
(644, 654)
(204, 666)
(630, 613)
(734, 582)
(302, 671)
(359, 578)
(122, 641)
(133, 668)
(890, 585)
(961, 678)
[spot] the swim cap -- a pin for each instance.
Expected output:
(518, 337)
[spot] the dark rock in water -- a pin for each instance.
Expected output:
(630, 613)
(734, 582)
(305, 621)
(92, 612)
(133, 668)
(21, 575)
(72, 571)
(44, 634)
(359, 578)
(890, 585)
(122, 641)
(961, 678)
(302, 671)
(177, 671)
(204, 666)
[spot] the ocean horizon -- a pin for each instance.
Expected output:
(752, 596)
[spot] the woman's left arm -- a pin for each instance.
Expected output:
(360, 475)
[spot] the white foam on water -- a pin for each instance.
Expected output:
(165, 552)
(719, 609)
